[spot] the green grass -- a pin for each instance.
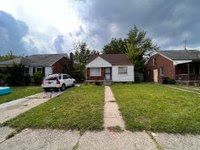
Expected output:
(20, 92)
(78, 108)
(189, 88)
(158, 108)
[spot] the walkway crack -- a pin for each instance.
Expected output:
(159, 147)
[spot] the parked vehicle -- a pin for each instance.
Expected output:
(58, 82)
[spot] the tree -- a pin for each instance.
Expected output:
(8, 56)
(116, 46)
(81, 56)
(137, 45)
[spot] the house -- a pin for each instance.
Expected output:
(109, 67)
(45, 63)
(180, 65)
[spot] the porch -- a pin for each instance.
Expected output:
(188, 73)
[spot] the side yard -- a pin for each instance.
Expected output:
(78, 108)
(20, 92)
(158, 108)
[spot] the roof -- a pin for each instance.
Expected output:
(113, 59)
(181, 54)
(41, 60)
(45, 59)
(19, 60)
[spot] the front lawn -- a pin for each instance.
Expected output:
(20, 92)
(78, 108)
(158, 108)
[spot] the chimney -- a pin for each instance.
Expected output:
(71, 56)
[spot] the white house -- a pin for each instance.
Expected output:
(109, 67)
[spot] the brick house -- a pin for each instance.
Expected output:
(109, 67)
(180, 65)
(45, 63)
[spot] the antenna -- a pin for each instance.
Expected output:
(185, 44)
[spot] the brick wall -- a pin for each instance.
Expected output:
(160, 61)
(60, 66)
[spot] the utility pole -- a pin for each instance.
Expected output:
(185, 46)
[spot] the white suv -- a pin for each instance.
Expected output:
(58, 82)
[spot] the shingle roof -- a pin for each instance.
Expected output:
(43, 60)
(19, 60)
(181, 54)
(114, 59)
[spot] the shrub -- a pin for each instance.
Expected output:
(167, 80)
(37, 78)
(97, 83)
(27, 79)
(15, 75)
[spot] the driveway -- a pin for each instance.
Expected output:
(14, 108)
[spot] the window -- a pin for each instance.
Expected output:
(122, 70)
(95, 71)
(65, 76)
(39, 69)
(161, 71)
(154, 61)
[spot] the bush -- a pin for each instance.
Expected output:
(97, 83)
(167, 80)
(15, 75)
(37, 78)
(27, 79)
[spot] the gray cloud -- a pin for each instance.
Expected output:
(168, 22)
(12, 32)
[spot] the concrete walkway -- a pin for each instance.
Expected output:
(112, 116)
(14, 108)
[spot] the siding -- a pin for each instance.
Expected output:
(98, 62)
(48, 70)
(123, 78)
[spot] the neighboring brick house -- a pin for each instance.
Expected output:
(109, 67)
(45, 63)
(180, 65)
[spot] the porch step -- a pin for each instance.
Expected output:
(107, 83)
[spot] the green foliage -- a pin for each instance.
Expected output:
(37, 78)
(81, 56)
(135, 46)
(8, 56)
(116, 46)
(80, 108)
(167, 80)
(158, 108)
(15, 75)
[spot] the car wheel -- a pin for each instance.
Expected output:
(63, 87)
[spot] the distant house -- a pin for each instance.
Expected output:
(180, 65)
(109, 67)
(45, 63)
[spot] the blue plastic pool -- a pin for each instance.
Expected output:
(5, 90)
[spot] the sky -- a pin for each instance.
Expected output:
(55, 26)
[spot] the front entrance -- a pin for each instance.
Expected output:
(155, 75)
(107, 73)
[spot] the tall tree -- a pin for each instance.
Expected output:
(81, 56)
(116, 46)
(137, 45)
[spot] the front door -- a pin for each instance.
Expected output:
(155, 75)
(107, 73)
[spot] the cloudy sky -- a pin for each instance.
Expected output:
(54, 26)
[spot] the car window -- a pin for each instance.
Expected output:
(69, 76)
(65, 76)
